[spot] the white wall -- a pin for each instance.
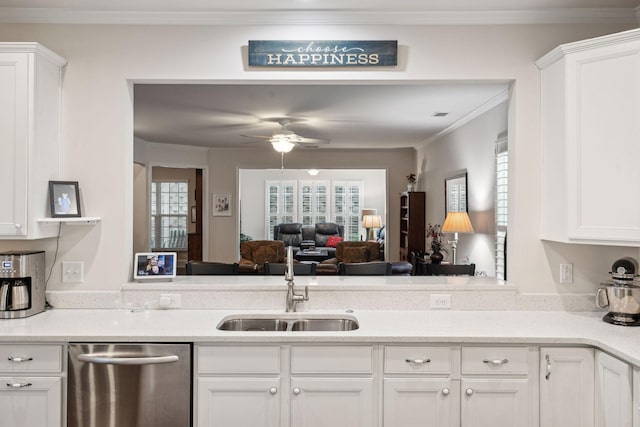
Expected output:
(252, 191)
(470, 147)
(97, 121)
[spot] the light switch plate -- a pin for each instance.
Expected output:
(72, 272)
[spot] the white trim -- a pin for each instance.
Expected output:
(487, 106)
(610, 39)
(31, 47)
(320, 17)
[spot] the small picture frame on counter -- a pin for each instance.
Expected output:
(64, 199)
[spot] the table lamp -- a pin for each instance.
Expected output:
(456, 222)
(370, 222)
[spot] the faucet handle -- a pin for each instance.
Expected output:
(306, 293)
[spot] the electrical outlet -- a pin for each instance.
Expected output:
(440, 301)
(72, 271)
(170, 301)
(566, 273)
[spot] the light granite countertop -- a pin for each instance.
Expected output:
(388, 326)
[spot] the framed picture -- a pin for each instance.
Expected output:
(455, 191)
(64, 199)
(221, 205)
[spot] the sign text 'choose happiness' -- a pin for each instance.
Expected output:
(323, 53)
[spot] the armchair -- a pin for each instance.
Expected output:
(355, 251)
(254, 253)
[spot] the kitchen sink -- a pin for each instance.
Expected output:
(288, 323)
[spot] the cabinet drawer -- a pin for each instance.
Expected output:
(417, 360)
(311, 360)
(495, 360)
(239, 360)
(18, 358)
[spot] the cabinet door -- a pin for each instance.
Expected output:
(495, 403)
(566, 387)
(233, 402)
(14, 113)
(421, 402)
(613, 392)
(332, 402)
(31, 402)
(636, 397)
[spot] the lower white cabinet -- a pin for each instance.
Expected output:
(636, 397)
(567, 386)
(495, 403)
(421, 402)
(31, 385)
(613, 399)
(273, 386)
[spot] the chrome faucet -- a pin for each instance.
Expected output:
(292, 298)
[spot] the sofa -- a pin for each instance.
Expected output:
(300, 236)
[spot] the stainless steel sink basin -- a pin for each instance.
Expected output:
(288, 323)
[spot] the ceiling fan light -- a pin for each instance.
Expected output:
(282, 145)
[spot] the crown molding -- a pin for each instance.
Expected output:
(323, 17)
(568, 48)
(487, 106)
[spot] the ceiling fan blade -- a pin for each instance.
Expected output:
(304, 140)
(257, 136)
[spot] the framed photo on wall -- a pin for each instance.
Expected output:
(64, 199)
(221, 205)
(455, 190)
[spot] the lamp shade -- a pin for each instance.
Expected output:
(371, 221)
(368, 212)
(457, 222)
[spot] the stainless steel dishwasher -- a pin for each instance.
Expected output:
(129, 385)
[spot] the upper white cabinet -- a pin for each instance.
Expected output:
(30, 83)
(590, 141)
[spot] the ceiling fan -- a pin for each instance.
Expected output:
(283, 140)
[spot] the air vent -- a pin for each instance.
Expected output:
(440, 114)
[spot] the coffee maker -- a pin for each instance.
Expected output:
(22, 284)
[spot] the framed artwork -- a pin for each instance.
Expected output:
(221, 205)
(64, 199)
(455, 191)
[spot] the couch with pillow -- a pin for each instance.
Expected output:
(355, 251)
(322, 235)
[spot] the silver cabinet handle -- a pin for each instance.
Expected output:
(418, 361)
(273, 390)
(548, 359)
(106, 360)
(19, 385)
(468, 391)
(496, 361)
(445, 391)
(296, 390)
(20, 359)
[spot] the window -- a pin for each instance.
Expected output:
(316, 201)
(502, 187)
(169, 207)
(280, 204)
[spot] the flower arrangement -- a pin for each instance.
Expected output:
(436, 235)
(411, 178)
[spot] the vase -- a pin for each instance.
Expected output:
(436, 257)
(410, 187)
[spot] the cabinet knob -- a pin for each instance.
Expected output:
(273, 390)
(468, 391)
(296, 390)
(445, 391)
(18, 226)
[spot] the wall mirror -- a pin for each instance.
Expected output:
(455, 190)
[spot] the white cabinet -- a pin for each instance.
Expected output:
(636, 397)
(421, 386)
(31, 385)
(30, 84)
(274, 386)
(613, 400)
(497, 387)
(567, 387)
(590, 108)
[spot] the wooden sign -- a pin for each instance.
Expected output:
(323, 53)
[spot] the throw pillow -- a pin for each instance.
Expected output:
(355, 254)
(333, 241)
(265, 254)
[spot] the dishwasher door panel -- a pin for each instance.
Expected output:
(129, 385)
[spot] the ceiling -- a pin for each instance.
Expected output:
(348, 115)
